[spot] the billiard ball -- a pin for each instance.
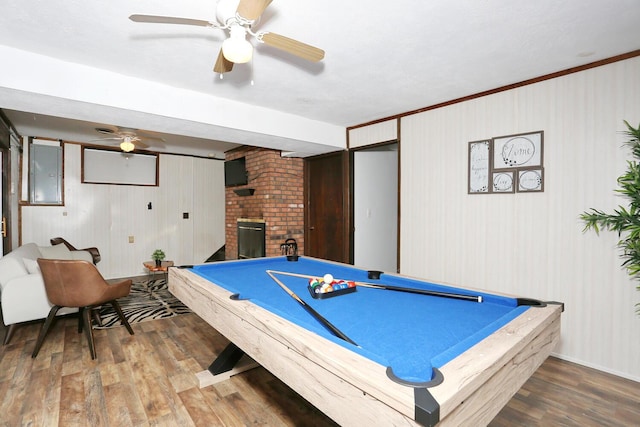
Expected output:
(328, 278)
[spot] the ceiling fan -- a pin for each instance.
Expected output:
(130, 139)
(239, 17)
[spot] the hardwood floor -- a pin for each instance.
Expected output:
(148, 379)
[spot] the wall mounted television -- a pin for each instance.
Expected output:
(235, 172)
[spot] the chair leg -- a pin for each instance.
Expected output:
(123, 319)
(88, 330)
(80, 314)
(10, 330)
(45, 329)
(95, 311)
(94, 314)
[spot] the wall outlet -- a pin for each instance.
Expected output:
(131, 239)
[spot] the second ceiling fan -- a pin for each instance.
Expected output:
(239, 17)
(127, 138)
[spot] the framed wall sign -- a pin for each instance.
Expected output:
(530, 180)
(507, 164)
(479, 158)
(503, 181)
(517, 151)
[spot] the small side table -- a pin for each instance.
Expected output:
(153, 269)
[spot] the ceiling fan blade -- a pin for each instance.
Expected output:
(292, 46)
(154, 19)
(115, 138)
(223, 65)
(252, 9)
(140, 144)
(149, 136)
(151, 140)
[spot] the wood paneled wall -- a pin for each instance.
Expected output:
(105, 216)
(532, 244)
(379, 132)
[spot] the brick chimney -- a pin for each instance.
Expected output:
(277, 199)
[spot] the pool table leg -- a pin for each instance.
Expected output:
(228, 363)
(427, 408)
(226, 360)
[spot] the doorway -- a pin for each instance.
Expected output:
(375, 207)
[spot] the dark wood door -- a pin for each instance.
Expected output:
(326, 209)
(5, 212)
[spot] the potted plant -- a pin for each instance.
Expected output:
(158, 255)
(624, 220)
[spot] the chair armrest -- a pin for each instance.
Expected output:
(95, 253)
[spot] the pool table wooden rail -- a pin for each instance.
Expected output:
(354, 390)
(481, 381)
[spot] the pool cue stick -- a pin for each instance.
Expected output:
(476, 298)
(311, 311)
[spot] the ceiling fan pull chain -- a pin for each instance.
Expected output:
(252, 71)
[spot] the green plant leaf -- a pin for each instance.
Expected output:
(624, 219)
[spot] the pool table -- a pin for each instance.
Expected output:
(436, 355)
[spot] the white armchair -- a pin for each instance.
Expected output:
(21, 285)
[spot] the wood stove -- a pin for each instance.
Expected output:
(251, 238)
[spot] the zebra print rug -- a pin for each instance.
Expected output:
(148, 300)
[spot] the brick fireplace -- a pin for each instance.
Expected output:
(277, 200)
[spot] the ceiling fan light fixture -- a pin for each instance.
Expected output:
(127, 146)
(236, 48)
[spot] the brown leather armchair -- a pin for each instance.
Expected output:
(75, 283)
(95, 253)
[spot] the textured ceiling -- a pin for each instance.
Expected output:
(382, 59)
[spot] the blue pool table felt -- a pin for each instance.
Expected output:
(410, 333)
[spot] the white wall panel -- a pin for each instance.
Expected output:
(105, 216)
(208, 209)
(531, 244)
(373, 134)
(178, 199)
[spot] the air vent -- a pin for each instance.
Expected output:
(105, 131)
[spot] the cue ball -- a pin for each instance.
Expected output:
(327, 278)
